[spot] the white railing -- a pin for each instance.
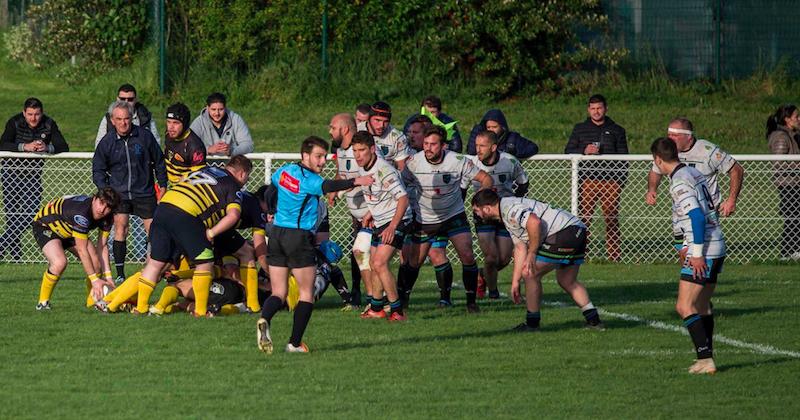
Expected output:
(753, 233)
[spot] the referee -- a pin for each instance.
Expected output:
(297, 187)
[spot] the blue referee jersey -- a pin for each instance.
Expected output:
(299, 189)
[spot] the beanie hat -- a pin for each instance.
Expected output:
(180, 112)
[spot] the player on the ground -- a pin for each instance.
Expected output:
(695, 215)
(63, 224)
(509, 180)
(710, 160)
(390, 215)
(437, 180)
(298, 189)
(545, 239)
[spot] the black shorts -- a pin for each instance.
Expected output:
(565, 247)
(228, 242)
(399, 234)
(175, 232)
(709, 277)
(292, 248)
(224, 292)
(144, 207)
(494, 226)
(324, 225)
(436, 231)
(43, 235)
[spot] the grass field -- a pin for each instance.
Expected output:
(72, 362)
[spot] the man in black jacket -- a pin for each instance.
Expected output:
(508, 141)
(601, 180)
(33, 132)
(126, 159)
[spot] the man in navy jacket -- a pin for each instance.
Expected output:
(508, 141)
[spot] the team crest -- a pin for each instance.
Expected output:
(347, 164)
(446, 178)
(502, 178)
(385, 150)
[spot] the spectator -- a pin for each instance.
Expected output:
(223, 131)
(782, 133)
(600, 180)
(433, 105)
(508, 141)
(33, 132)
(142, 117)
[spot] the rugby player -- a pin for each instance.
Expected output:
(545, 239)
(391, 143)
(390, 216)
(695, 215)
(63, 224)
(437, 181)
(184, 151)
(291, 246)
(509, 180)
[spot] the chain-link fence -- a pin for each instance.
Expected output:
(606, 191)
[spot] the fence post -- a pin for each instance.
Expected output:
(267, 168)
(574, 190)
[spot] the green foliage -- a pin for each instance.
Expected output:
(19, 43)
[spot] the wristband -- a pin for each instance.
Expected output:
(93, 277)
(107, 274)
(697, 250)
(210, 233)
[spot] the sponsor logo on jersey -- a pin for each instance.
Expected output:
(289, 182)
(81, 220)
(502, 177)
(177, 156)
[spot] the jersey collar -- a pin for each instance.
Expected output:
(680, 165)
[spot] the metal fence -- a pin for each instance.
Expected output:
(622, 228)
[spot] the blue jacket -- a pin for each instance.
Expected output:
(128, 164)
(454, 145)
(299, 189)
(510, 142)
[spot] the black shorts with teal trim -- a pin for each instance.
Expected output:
(175, 232)
(496, 227)
(709, 277)
(399, 234)
(436, 232)
(565, 247)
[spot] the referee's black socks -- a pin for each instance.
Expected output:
(697, 331)
(302, 314)
(271, 306)
(469, 275)
(444, 278)
(120, 249)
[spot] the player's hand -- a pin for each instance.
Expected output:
(331, 199)
(367, 220)
(699, 267)
(210, 235)
(364, 180)
(527, 268)
(515, 295)
(682, 255)
(650, 198)
(97, 289)
(387, 236)
(727, 208)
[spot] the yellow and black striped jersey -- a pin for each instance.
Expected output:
(183, 156)
(206, 194)
(71, 217)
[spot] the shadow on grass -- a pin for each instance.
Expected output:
(756, 363)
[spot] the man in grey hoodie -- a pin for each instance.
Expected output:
(223, 131)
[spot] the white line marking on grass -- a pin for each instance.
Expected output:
(754, 347)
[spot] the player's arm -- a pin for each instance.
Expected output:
(533, 226)
(653, 179)
(88, 263)
(232, 214)
(260, 247)
(520, 251)
(728, 207)
(686, 199)
(101, 249)
(485, 180)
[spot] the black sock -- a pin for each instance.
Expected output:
(708, 325)
(469, 274)
(355, 288)
(396, 306)
(533, 319)
(120, 249)
(271, 306)
(592, 317)
(444, 278)
(302, 314)
(698, 334)
(376, 304)
(338, 282)
(408, 275)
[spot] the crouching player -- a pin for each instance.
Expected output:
(695, 216)
(390, 215)
(545, 239)
(63, 225)
(298, 189)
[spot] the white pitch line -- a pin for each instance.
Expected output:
(754, 347)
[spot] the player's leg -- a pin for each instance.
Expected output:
(443, 271)
(361, 250)
(302, 313)
(381, 258)
(689, 292)
(462, 242)
(246, 255)
(491, 259)
(505, 250)
(416, 252)
(533, 297)
(120, 244)
(53, 251)
(567, 277)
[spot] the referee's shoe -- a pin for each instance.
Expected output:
(264, 339)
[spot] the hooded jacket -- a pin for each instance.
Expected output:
(127, 164)
(235, 132)
(510, 142)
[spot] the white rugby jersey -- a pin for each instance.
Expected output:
(689, 191)
(383, 194)
(392, 145)
(435, 189)
(709, 159)
(515, 212)
(347, 168)
(505, 173)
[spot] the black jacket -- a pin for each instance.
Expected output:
(510, 142)
(18, 133)
(127, 164)
(613, 141)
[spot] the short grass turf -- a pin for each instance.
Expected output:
(72, 362)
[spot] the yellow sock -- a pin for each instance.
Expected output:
(48, 284)
(168, 297)
(145, 290)
(250, 280)
(124, 292)
(200, 284)
(171, 308)
(293, 294)
(183, 274)
(229, 309)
